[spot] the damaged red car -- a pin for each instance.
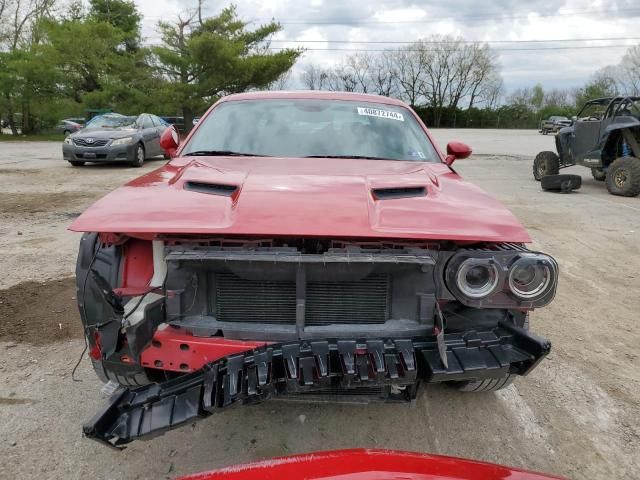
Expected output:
(310, 245)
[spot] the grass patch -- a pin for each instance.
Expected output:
(46, 137)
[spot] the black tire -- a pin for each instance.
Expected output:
(545, 131)
(545, 163)
(133, 377)
(138, 156)
(76, 163)
(561, 183)
(623, 177)
(598, 174)
(489, 384)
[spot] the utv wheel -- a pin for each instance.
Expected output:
(138, 158)
(623, 177)
(76, 163)
(598, 174)
(545, 163)
(561, 183)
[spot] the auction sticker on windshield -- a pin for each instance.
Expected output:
(374, 112)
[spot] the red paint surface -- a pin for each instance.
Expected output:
(180, 351)
(137, 268)
(303, 197)
(458, 149)
(364, 464)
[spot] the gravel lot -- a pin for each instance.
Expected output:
(578, 414)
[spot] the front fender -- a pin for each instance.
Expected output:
(563, 146)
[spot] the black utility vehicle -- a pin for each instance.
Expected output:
(603, 137)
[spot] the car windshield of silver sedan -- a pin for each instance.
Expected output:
(112, 122)
(312, 128)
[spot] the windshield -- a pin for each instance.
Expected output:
(313, 128)
(112, 121)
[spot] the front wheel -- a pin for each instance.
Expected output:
(138, 158)
(126, 376)
(545, 163)
(487, 385)
(598, 174)
(491, 384)
(623, 177)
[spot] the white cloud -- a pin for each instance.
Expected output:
(409, 20)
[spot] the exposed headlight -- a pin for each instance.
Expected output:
(68, 141)
(502, 279)
(477, 278)
(122, 141)
(531, 276)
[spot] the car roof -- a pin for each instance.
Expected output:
(313, 95)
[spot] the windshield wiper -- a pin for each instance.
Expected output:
(364, 157)
(221, 153)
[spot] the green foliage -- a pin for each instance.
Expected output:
(122, 15)
(597, 87)
(202, 61)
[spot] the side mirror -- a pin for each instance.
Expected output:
(455, 151)
(169, 141)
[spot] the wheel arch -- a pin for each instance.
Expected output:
(611, 144)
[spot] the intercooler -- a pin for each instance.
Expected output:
(327, 302)
(283, 293)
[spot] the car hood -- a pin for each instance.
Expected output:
(105, 133)
(303, 197)
(369, 464)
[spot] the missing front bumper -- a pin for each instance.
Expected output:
(313, 366)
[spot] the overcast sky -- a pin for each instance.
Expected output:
(406, 21)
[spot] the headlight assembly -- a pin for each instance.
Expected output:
(530, 277)
(477, 278)
(502, 279)
(68, 141)
(122, 141)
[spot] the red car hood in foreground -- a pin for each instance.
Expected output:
(302, 197)
(368, 465)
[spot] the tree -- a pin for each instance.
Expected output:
(314, 77)
(410, 73)
(23, 75)
(384, 74)
(629, 81)
(602, 84)
(202, 60)
(537, 96)
(122, 15)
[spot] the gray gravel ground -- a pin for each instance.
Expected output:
(578, 414)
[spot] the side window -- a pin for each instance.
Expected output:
(592, 112)
(159, 122)
(146, 122)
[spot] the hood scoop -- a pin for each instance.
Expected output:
(392, 193)
(220, 189)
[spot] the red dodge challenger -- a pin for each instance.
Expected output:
(308, 244)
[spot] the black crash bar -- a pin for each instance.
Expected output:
(308, 366)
